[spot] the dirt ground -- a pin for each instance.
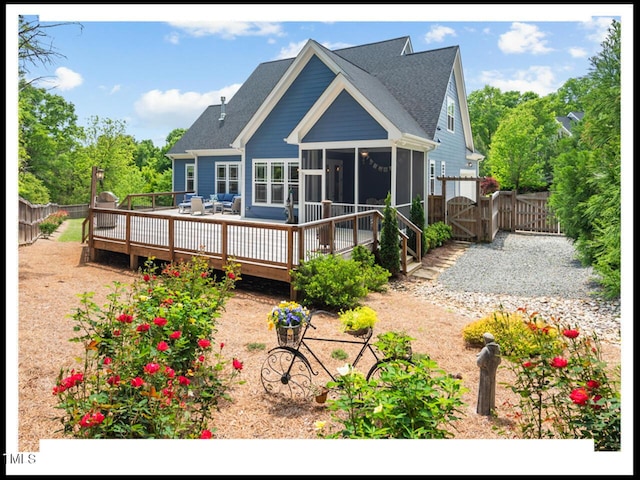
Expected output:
(52, 274)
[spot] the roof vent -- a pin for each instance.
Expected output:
(222, 112)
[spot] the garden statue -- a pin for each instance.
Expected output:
(488, 361)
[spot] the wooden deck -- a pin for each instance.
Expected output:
(267, 249)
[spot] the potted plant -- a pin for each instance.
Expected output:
(395, 345)
(358, 321)
(287, 318)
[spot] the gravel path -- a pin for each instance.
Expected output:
(539, 272)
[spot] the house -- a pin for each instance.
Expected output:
(567, 122)
(334, 127)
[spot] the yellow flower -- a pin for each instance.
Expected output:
(143, 298)
(319, 424)
(378, 409)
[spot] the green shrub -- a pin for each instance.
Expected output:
(252, 347)
(146, 372)
(394, 345)
(438, 233)
(423, 403)
(564, 388)
(510, 331)
(330, 281)
(389, 242)
(376, 277)
(47, 227)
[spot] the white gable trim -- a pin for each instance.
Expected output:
(311, 48)
(339, 84)
(462, 102)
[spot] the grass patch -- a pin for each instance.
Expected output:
(255, 346)
(339, 354)
(73, 232)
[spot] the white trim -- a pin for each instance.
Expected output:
(335, 88)
(462, 102)
(311, 48)
(269, 161)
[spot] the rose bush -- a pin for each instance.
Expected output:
(150, 368)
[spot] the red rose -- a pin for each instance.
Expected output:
(162, 346)
(125, 318)
(175, 335)
(592, 384)
(183, 380)
(231, 276)
(116, 333)
(151, 368)
(527, 365)
(107, 361)
(143, 327)
(146, 278)
(169, 372)
(579, 396)
(570, 333)
(206, 434)
(559, 362)
(204, 275)
(237, 364)
(92, 419)
(201, 358)
(115, 380)
(160, 321)
(204, 343)
(221, 345)
(137, 382)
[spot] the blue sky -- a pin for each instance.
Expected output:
(160, 72)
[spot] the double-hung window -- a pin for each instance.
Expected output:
(227, 177)
(451, 114)
(273, 179)
(190, 177)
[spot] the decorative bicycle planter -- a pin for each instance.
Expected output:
(289, 336)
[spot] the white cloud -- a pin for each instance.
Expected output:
(577, 52)
(523, 38)
(599, 28)
(291, 50)
(229, 30)
(437, 33)
(64, 79)
(173, 109)
(173, 38)
(538, 79)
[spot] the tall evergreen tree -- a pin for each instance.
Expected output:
(416, 215)
(389, 247)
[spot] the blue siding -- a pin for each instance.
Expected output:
(206, 177)
(345, 119)
(452, 148)
(179, 180)
(268, 140)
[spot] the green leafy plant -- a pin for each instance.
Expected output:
(394, 345)
(423, 402)
(358, 318)
(416, 215)
(150, 369)
(330, 282)
(376, 278)
(564, 387)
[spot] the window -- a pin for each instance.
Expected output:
(451, 114)
(432, 177)
(190, 177)
(227, 178)
(274, 179)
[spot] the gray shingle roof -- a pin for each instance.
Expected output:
(408, 89)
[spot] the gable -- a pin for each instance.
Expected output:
(345, 119)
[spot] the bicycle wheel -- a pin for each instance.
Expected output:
(377, 372)
(287, 372)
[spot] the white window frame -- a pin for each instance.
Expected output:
(432, 177)
(227, 179)
(190, 177)
(451, 114)
(288, 164)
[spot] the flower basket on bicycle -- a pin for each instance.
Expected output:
(361, 332)
(289, 336)
(288, 318)
(358, 321)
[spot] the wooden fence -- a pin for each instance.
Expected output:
(503, 210)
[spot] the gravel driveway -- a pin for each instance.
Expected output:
(521, 264)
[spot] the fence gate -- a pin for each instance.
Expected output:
(462, 215)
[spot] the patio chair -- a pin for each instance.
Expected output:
(235, 206)
(197, 206)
